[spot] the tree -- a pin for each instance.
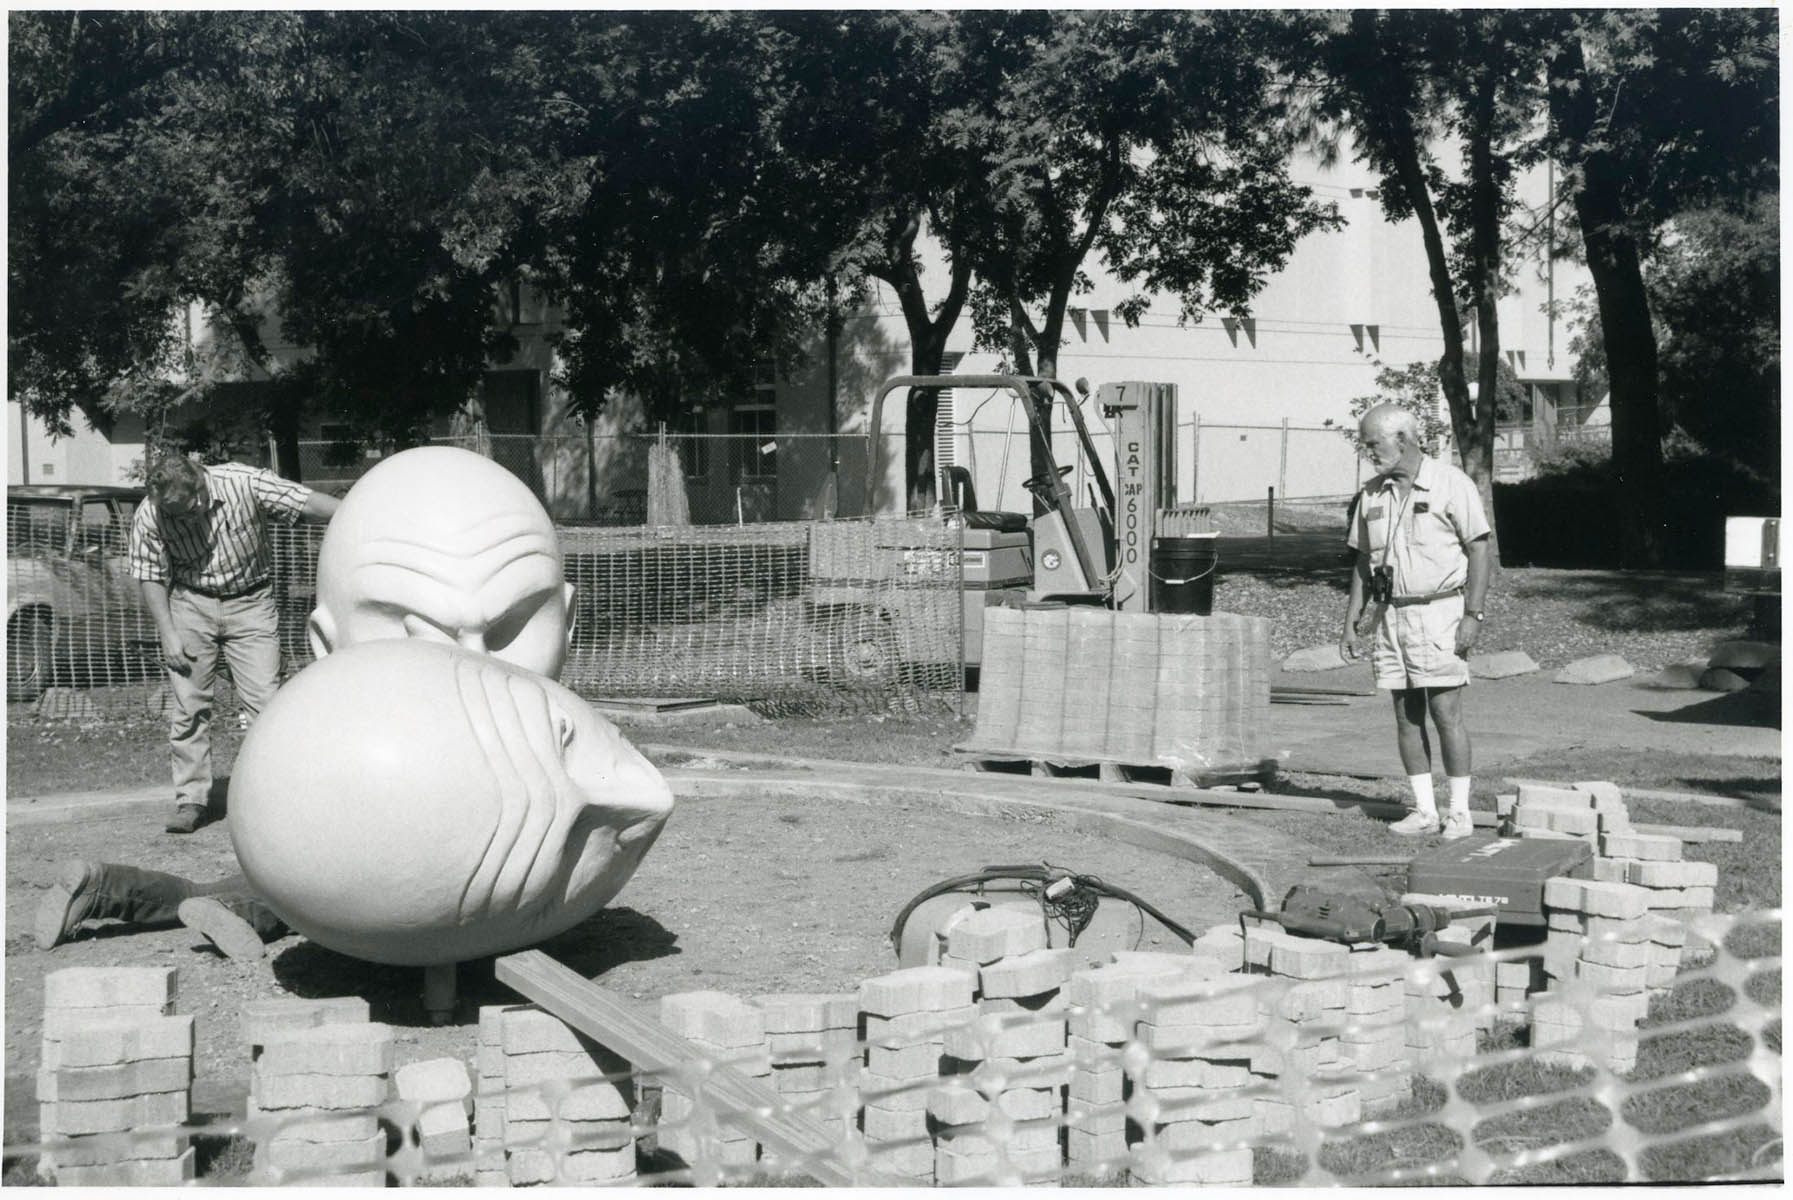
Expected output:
(319, 166)
(1148, 137)
(1410, 84)
(700, 247)
(863, 115)
(1653, 112)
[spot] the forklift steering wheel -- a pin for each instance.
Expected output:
(1043, 483)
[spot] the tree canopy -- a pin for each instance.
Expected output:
(700, 191)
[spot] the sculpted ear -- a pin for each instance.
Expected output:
(571, 614)
(320, 631)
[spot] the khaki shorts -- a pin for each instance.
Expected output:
(1416, 646)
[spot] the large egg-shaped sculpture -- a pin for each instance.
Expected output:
(414, 803)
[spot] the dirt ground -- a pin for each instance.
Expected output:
(735, 896)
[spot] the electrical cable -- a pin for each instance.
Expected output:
(1066, 897)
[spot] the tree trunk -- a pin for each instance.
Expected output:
(1476, 450)
(1624, 307)
(928, 332)
(1631, 367)
(1400, 143)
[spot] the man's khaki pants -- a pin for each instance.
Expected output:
(246, 630)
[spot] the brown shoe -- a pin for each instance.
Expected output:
(186, 818)
(60, 913)
(235, 938)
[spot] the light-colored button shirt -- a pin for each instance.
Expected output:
(222, 550)
(1425, 537)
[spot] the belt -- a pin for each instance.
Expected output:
(1410, 601)
(214, 594)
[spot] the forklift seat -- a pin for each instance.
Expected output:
(1000, 522)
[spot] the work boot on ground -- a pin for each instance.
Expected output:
(69, 903)
(1458, 825)
(1416, 824)
(235, 938)
(186, 818)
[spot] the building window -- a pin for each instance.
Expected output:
(754, 425)
(689, 436)
(755, 436)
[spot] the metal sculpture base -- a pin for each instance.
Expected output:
(439, 992)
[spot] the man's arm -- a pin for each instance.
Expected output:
(174, 651)
(1360, 573)
(319, 507)
(1475, 594)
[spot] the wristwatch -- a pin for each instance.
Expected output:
(1478, 614)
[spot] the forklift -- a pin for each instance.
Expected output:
(1091, 550)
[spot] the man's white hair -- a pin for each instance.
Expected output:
(1390, 418)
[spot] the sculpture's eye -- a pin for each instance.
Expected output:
(423, 630)
(515, 620)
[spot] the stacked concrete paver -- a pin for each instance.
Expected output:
(729, 1031)
(1615, 937)
(814, 1043)
(1104, 1009)
(438, 1089)
(320, 1071)
(997, 1115)
(1189, 1096)
(904, 1017)
(115, 1084)
(566, 1105)
(489, 1168)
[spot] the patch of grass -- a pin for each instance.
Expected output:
(1358, 1159)
(1673, 1108)
(1567, 1120)
(223, 1161)
(1753, 1149)
(1578, 1167)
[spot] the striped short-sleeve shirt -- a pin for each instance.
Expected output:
(224, 549)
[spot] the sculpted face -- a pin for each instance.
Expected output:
(413, 802)
(442, 545)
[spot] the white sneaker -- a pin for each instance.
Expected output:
(1457, 825)
(1416, 824)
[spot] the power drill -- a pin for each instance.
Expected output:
(1344, 917)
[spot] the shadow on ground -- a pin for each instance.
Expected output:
(395, 994)
(1755, 709)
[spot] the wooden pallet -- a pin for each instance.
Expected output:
(1263, 774)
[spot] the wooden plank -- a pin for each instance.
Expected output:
(743, 1103)
(1763, 805)
(1691, 833)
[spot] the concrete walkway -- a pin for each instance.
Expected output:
(1511, 719)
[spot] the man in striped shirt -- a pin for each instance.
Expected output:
(200, 552)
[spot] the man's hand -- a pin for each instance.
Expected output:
(1348, 643)
(1467, 630)
(175, 653)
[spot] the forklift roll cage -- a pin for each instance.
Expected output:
(1050, 489)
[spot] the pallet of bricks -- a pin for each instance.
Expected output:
(1075, 686)
(1615, 938)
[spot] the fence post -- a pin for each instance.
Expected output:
(1282, 466)
(1195, 461)
(1270, 512)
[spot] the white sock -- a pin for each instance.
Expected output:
(1459, 793)
(1422, 794)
